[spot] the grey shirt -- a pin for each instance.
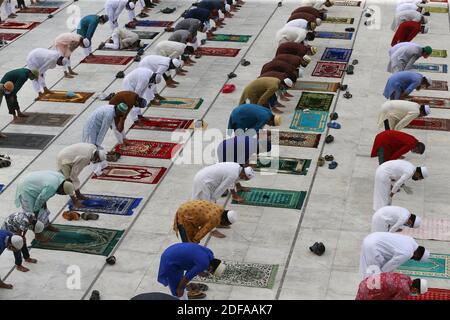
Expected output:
(189, 24)
(181, 36)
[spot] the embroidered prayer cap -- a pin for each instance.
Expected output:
(249, 172)
(17, 242)
(68, 188)
(122, 107)
(428, 50)
(288, 82)
(38, 227)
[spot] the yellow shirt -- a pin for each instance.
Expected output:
(260, 90)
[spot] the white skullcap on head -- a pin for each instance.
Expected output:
(423, 286)
(102, 155)
(318, 21)
(38, 227)
(232, 216)
(86, 42)
(307, 58)
(176, 63)
(219, 270)
(417, 222)
(227, 7)
(426, 28)
(427, 109)
(424, 171)
(68, 188)
(428, 79)
(249, 172)
(17, 242)
(131, 5)
(426, 256)
(288, 82)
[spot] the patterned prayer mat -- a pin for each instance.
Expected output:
(312, 120)
(117, 60)
(339, 20)
(432, 294)
(431, 67)
(133, 49)
(439, 103)
(25, 141)
(218, 52)
(298, 139)
(438, 85)
(438, 53)
(436, 9)
(283, 165)
(46, 119)
(153, 23)
(336, 54)
(18, 25)
(426, 123)
(440, 1)
(230, 37)
(88, 240)
(316, 86)
(315, 101)
(122, 206)
(334, 35)
(129, 173)
(245, 274)
(148, 149)
(146, 34)
(430, 229)
(61, 96)
(437, 267)
(329, 69)
(180, 103)
(274, 198)
(347, 3)
(9, 36)
(163, 124)
(48, 4)
(34, 10)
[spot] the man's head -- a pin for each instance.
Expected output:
(175, 64)
(33, 74)
(66, 188)
(413, 221)
(8, 87)
(421, 254)
(310, 36)
(14, 243)
(311, 25)
(121, 109)
(286, 84)
(318, 21)
(228, 217)
(189, 50)
(420, 173)
(274, 121)
(419, 148)
(424, 110)
(38, 226)
(62, 61)
(426, 51)
(85, 43)
(98, 156)
(306, 60)
(130, 5)
(419, 286)
(103, 19)
(312, 51)
(246, 173)
(216, 267)
(426, 82)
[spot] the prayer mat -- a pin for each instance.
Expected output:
(9, 36)
(88, 240)
(430, 67)
(61, 96)
(18, 25)
(121, 206)
(261, 197)
(430, 229)
(153, 23)
(336, 54)
(137, 174)
(148, 149)
(117, 60)
(432, 294)
(312, 120)
(339, 20)
(298, 139)
(25, 141)
(316, 86)
(34, 10)
(243, 274)
(48, 4)
(283, 165)
(329, 69)
(230, 37)
(134, 49)
(436, 9)
(1, 187)
(347, 3)
(426, 123)
(437, 267)
(334, 35)
(438, 53)
(438, 85)
(146, 34)
(217, 52)
(180, 103)
(439, 103)
(162, 124)
(46, 119)
(315, 101)
(440, 1)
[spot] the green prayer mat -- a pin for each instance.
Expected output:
(88, 240)
(437, 267)
(243, 274)
(283, 165)
(436, 9)
(261, 197)
(311, 120)
(439, 53)
(230, 37)
(180, 103)
(315, 101)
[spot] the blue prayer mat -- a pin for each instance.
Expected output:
(431, 67)
(334, 35)
(336, 54)
(311, 120)
(1, 187)
(122, 206)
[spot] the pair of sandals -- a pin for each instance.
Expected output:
(333, 125)
(5, 161)
(196, 290)
(73, 215)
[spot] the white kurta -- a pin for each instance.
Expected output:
(406, 7)
(390, 177)
(155, 63)
(402, 16)
(385, 252)
(171, 49)
(42, 59)
(401, 45)
(73, 159)
(211, 182)
(290, 34)
(298, 23)
(138, 82)
(316, 4)
(399, 113)
(113, 10)
(403, 58)
(390, 219)
(122, 39)
(97, 125)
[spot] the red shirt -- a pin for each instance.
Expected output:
(385, 286)
(406, 32)
(395, 144)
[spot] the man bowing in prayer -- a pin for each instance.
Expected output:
(12, 242)
(392, 145)
(86, 28)
(407, 31)
(397, 114)
(390, 177)
(385, 252)
(162, 65)
(66, 43)
(213, 181)
(402, 83)
(403, 56)
(251, 117)
(114, 8)
(393, 219)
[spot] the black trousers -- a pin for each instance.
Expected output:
(12, 103)
(386, 125)
(18, 255)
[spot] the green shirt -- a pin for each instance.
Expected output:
(16, 76)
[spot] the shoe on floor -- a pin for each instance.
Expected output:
(195, 295)
(332, 165)
(333, 125)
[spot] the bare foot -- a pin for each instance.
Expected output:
(284, 99)
(68, 76)
(217, 234)
(5, 285)
(73, 73)
(239, 199)
(244, 189)
(3, 135)
(22, 268)
(276, 110)
(31, 260)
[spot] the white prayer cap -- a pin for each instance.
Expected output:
(102, 155)
(417, 222)
(307, 58)
(423, 286)
(288, 82)
(424, 171)
(428, 79)
(38, 227)
(427, 109)
(68, 188)
(86, 42)
(227, 7)
(318, 21)
(249, 172)
(17, 242)
(232, 216)
(425, 28)
(176, 63)
(219, 270)
(130, 5)
(426, 256)
(65, 62)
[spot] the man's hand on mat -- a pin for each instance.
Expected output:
(125, 142)
(42, 239)
(217, 234)
(283, 98)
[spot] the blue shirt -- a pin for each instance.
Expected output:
(402, 82)
(201, 14)
(240, 148)
(210, 4)
(87, 26)
(249, 116)
(4, 235)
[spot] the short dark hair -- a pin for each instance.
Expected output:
(189, 50)
(412, 217)
(224, 218)
(420, 147)
(416, 284)
(310, 36)
(420, 251)
(214, 264)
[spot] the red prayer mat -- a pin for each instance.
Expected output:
(438, 85)
(136, 174)
(219, 52)
(430, 124)
(103, 59)
(329, 69)
(45, 10)
(162, 124)
(9, 36)
(148, 149)
(439, 103)
(18, 25)
(432, 294)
